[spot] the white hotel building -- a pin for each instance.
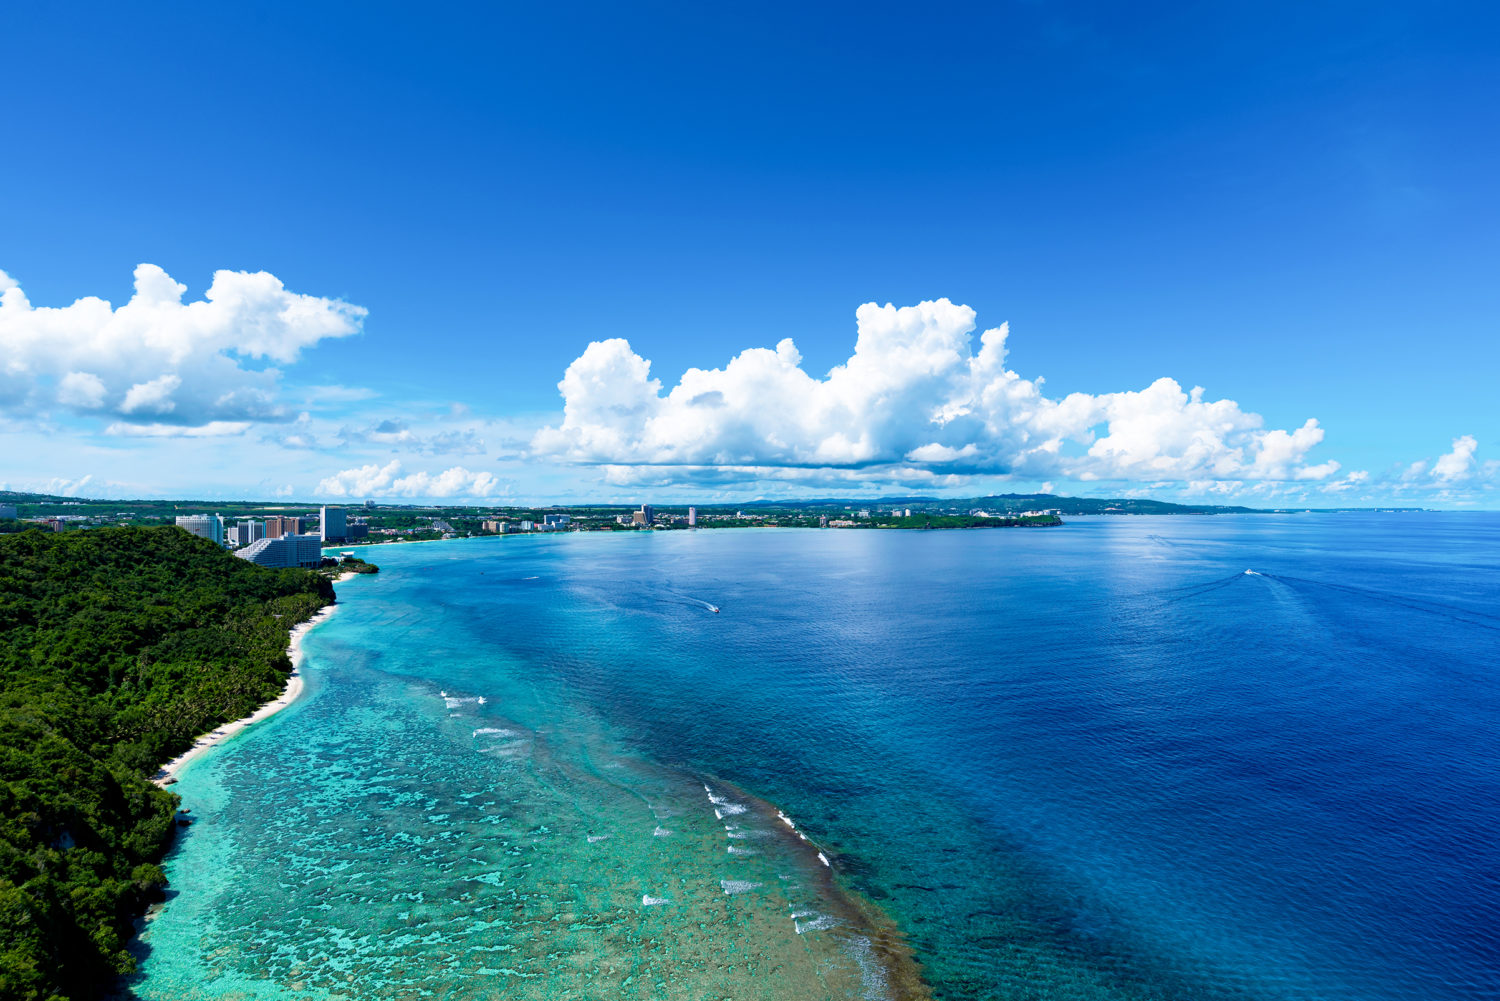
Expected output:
(208, 526)
(287, 551)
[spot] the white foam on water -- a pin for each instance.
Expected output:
(660, 832)
(722, 806)
(598, 837)
(824, 859)
(871, 973)
(786, 820)
(495, 729)
(737, 850)
(733, 886)
(649, 901)
(818, 923)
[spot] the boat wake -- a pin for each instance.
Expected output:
(1203, 587)
(1456, 613)
(697, 602)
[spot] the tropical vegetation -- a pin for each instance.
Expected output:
(118, 647)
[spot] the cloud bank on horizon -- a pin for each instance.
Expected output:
(160, 367)
(392, 480)
(914, 404)
(917, 405)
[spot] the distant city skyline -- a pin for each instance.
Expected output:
(1229, 255)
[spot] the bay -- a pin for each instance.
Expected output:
(1096, 761)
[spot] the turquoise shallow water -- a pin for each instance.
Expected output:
(1095, 761)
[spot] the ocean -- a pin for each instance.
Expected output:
(1237, 757)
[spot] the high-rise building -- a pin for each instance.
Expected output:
(247, 532)
(645, 516)
(692, 517)
(333, 524)
(287, 551)
(283, 525)
(207, 526)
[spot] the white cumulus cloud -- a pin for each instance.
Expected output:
(391, 480)
(915, 401)
(1458, 464)
(81, 391)
(154, 397)
(185, 363)
(213, 429)
(1359, 479)
(58, 486)
(394, 433)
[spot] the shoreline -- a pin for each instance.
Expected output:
(169, 772)
(405, 542)
(1060, 523)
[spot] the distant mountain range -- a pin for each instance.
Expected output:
(1012, 503)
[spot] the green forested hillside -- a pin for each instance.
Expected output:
(117, 648)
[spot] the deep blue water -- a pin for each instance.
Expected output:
(1099, 760)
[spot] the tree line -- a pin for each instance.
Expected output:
(118, 647)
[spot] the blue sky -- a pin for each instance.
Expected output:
(1291, 206)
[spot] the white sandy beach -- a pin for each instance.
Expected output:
(294, 685)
